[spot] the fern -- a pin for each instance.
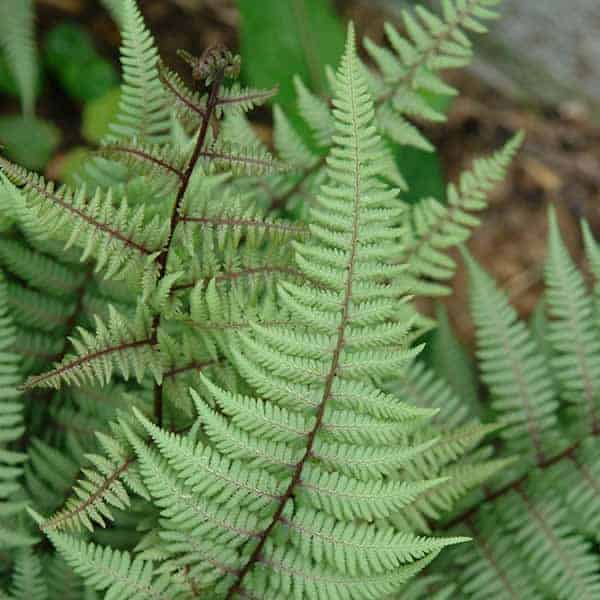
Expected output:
(220, 402)
(431, 44)
(534, 529)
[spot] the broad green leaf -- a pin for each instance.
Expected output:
(282, 39)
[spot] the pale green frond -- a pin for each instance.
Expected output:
(28, 580)
(513, 367)
(115, 572)
(435, 227)
(577, 345)
(119, 238)
(119, 344)
(143, 112)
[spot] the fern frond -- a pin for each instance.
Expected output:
(34, 309)
(577, 364)
(143, 111)
(452, 361)
(316, 113)
(28, 582)
(435, 228)
(117, 237)
(322, 351)
(12, 428)
(288, 143)
(570, 568)
(513, 367)
(112, 571)
(431, 44)
(38, 270)
(17, 40)
(118, 344)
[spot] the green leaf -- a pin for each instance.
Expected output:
(72, 57)
(99, 114)
(29, 142)
(423, 172)
(282, 39)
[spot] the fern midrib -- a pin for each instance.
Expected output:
(63, 517)
(179, 96)
(344, 319)
(159, 162)
(492, 496)
(114, 233)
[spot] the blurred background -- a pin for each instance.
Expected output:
(538, 70)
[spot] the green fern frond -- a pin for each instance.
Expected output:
(288, 143)
(316, 113)
(39, 271)
(513, 368)
(28, 581)
(452, 361)
(112, 571)
(31, 308)
(119, 238)
(431, 44)
(577, 345)
(12, 428)
(118, 344)
(435, 228)
(323, 354)
(17, 40)
(143, 112)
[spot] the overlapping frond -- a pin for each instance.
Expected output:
(431, 44)
(12, 428)
(114, 572)
(534, 530)
(143, 111)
